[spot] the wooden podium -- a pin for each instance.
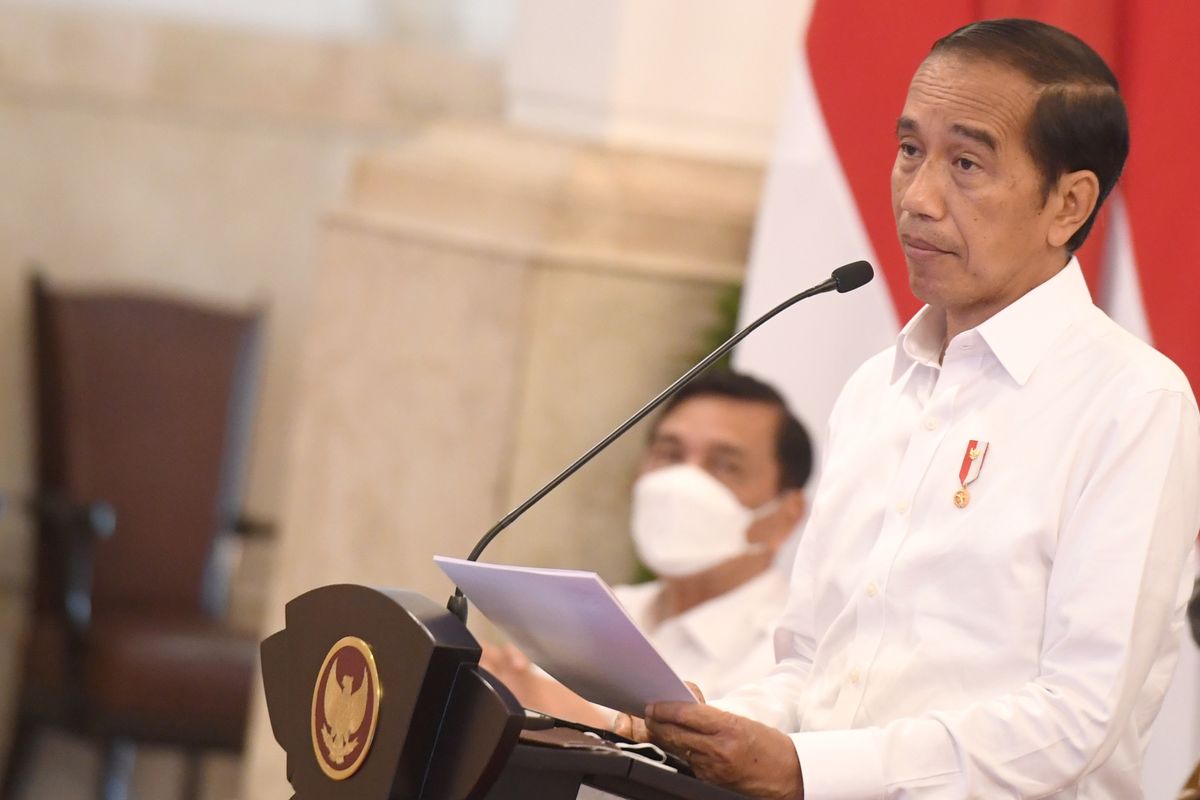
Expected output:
(550, 774)
(377, 694)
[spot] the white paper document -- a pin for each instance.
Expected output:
(571, 624)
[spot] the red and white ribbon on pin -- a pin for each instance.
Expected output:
(971, 465)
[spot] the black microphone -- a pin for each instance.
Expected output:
(844, 279)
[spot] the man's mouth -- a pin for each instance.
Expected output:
(917, 246)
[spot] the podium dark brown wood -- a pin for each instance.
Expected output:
(377, 694)
(549, 774)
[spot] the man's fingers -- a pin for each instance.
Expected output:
(696, 691)
(630, 727)
(683, 742)
(693, 716)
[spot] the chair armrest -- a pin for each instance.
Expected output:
(93, 520)
(73, 528)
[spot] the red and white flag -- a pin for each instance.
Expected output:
(827, 202)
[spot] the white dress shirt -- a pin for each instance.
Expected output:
(721, 644)
(1019, 646)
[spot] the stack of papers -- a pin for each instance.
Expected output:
(571, 624)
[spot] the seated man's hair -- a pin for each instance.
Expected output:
(793, 448)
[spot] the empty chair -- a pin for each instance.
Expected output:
(143, 412)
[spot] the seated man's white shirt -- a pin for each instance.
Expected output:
(1020, 646)
(720, 644)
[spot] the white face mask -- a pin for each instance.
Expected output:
(685, 520)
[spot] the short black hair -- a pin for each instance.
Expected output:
(793, 448)
(1079, 120)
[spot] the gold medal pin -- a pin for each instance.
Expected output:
(971, 465)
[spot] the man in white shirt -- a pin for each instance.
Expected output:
(989, 595)
(720, 490)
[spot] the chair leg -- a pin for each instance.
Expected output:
(20, 750)
(193, 774)
(117, 770)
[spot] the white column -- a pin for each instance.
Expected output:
(701, 77)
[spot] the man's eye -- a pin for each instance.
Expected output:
(965, 164)
(727, 469)
(663, 456)
(908, 150)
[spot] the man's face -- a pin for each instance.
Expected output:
(734, 441)
(967, 197)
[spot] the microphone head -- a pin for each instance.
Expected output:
(852, 276)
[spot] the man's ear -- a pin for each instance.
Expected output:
(795, 505)
(1076, 196)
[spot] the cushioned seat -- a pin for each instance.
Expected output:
(46, 682)
(172, 680)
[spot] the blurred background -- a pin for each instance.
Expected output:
(475, 234)
(418, 255)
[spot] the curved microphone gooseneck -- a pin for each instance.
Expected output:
(844, 279)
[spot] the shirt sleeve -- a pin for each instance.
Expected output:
(1114, 609)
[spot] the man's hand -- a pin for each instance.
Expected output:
(634, 728)
(728, 750)
(537, 690)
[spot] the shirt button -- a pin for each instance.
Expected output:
(855, 676)
(902, 507)
(931, 423)
(872, 589)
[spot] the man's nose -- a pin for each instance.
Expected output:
(923, 195)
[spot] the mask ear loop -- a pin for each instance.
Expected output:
(765, 510)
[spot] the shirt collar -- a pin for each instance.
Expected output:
(1017, 335)
(728, 623)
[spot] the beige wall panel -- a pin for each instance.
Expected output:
(404, 424)
(115, 57)
(568, 202)
(601, 345)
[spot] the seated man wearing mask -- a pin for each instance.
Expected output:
(720, 490)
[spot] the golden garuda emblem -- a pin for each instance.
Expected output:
(345, 707)
(344, 712)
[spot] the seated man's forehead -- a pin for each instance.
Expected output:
(700, 439)
(716, 413)
(693, 439)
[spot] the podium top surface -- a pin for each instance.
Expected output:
(617, 773)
